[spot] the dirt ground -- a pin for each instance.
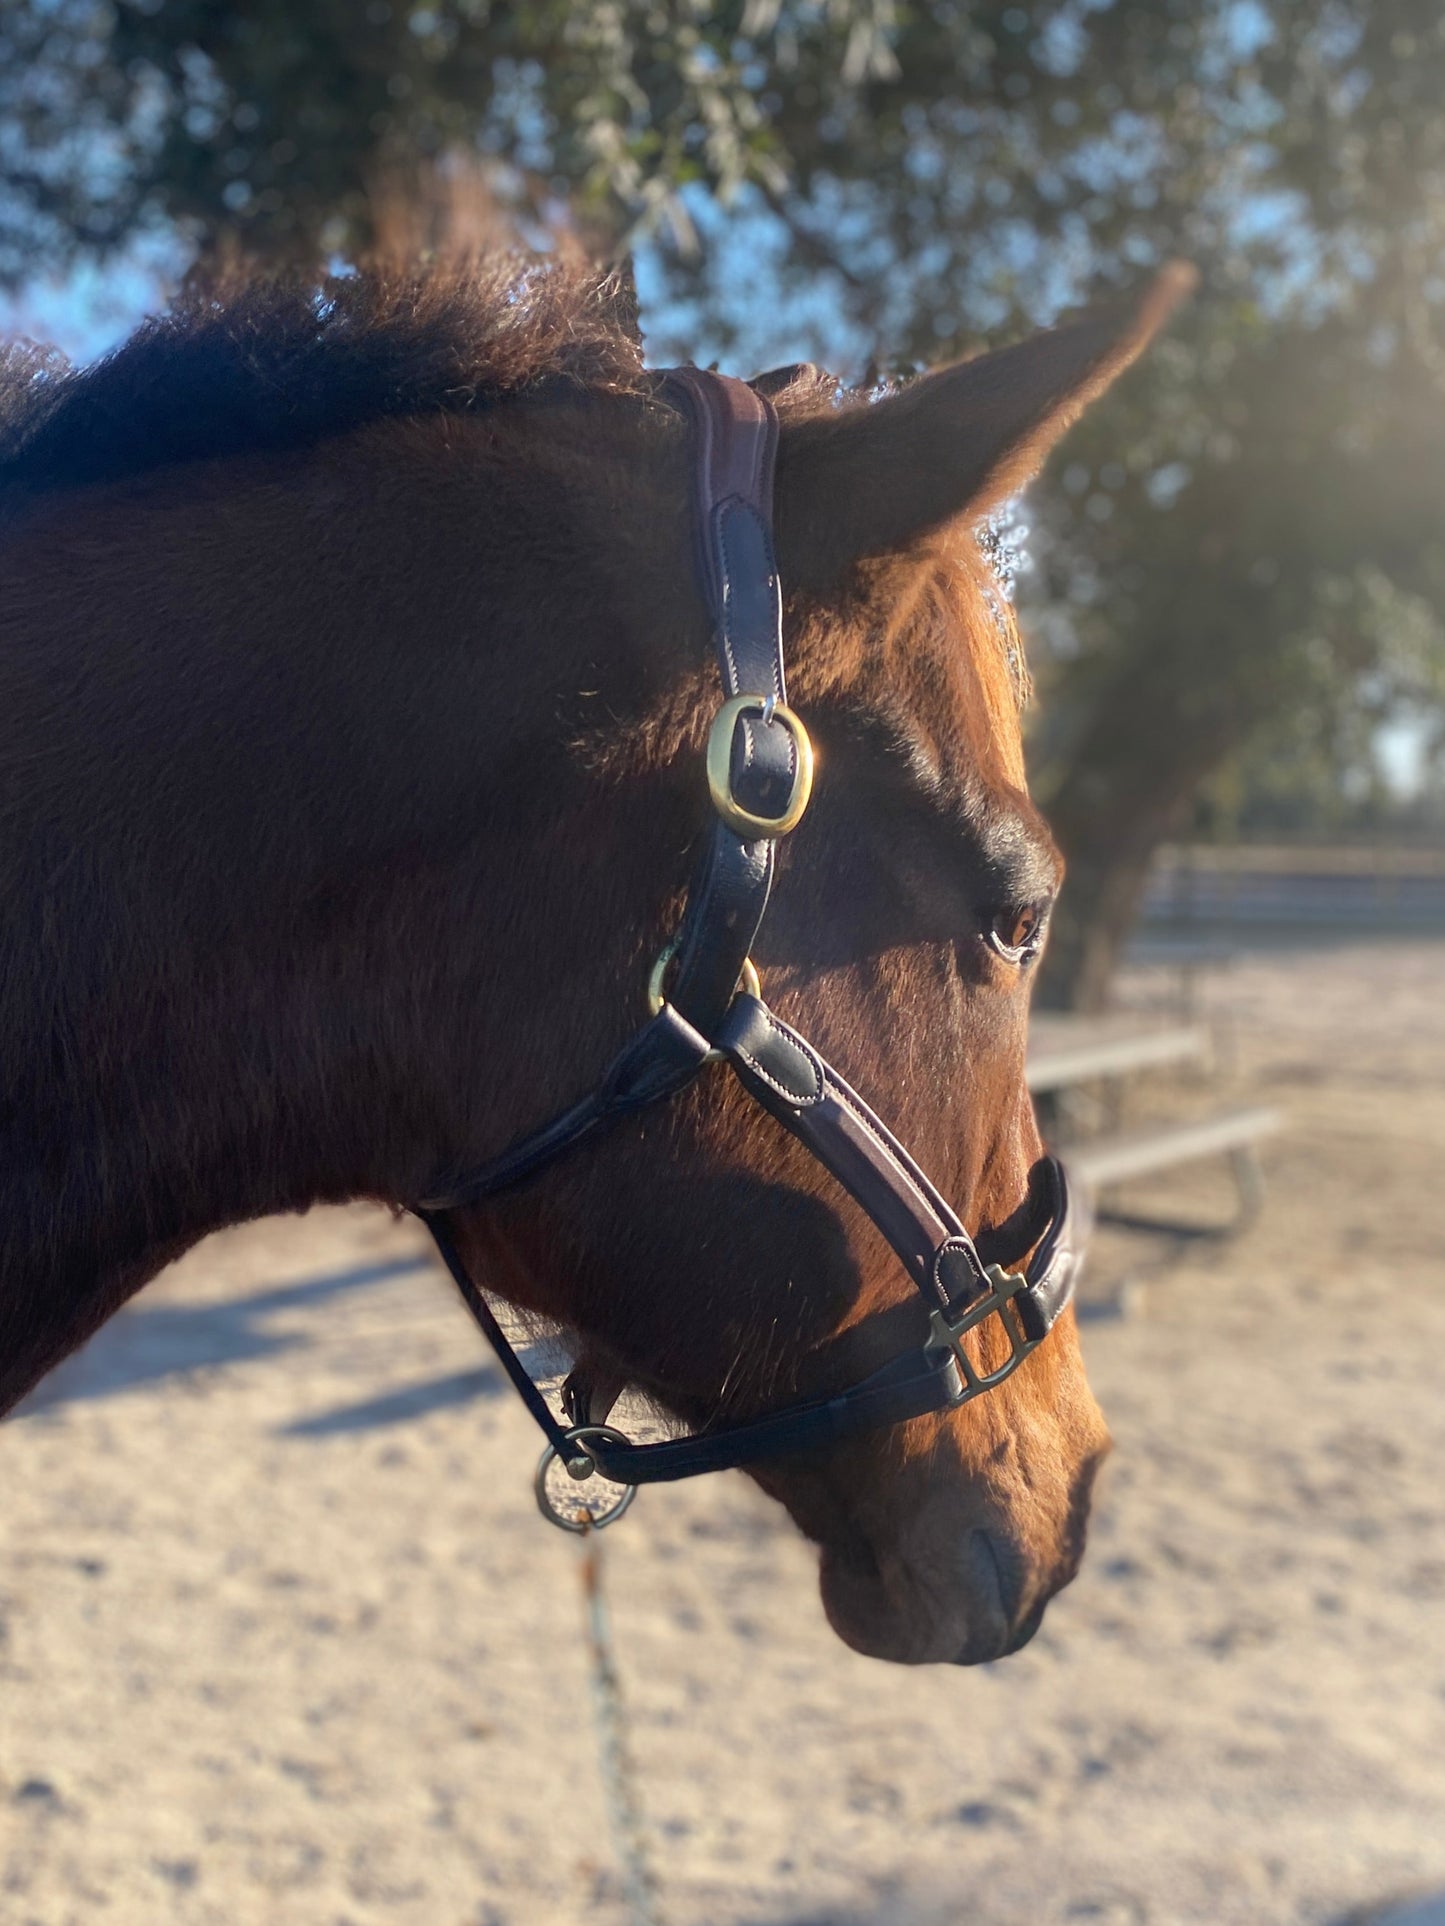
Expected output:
(283, 1641)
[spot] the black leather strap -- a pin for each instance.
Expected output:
(736, 432)
(921, 1381)
(663, 1056)
(806, 1094)
(737, 438)
(485, 1318)
(906, 1387)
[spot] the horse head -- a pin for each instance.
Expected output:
(357, 680)
(698, 1253)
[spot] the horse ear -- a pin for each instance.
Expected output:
(872, 480)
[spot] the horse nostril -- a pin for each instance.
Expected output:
(1028, 1628)
(997, 1565)
(1000, 1557)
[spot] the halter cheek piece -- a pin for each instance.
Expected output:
(705, 1002)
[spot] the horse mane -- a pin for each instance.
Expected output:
(244, 362)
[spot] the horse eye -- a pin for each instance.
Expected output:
(1017, 932)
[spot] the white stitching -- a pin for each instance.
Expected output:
(721, 529)
(951, 1243)
(796, 1043)
(867, 1125)
(720, 533)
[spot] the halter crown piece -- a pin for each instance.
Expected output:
(705, 1001)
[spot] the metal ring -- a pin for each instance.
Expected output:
(657, 979)
(720, 767)
(583, 1458)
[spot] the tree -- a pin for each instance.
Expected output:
(273, 121)
(1241, 546)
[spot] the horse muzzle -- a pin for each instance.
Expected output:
(964, 1609)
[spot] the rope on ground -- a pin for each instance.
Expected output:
(619, 1779)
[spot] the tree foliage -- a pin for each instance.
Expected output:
(273, 120)
(1240, 554)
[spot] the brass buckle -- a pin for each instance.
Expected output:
(657, 980)
(998, 1300)
(742, 821)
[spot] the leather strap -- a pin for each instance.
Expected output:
(807, 1096)
(920, 1381)
(663, 1056)
(736, 435)
(737, 439)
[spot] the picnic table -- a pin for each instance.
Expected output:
(1066, 1052)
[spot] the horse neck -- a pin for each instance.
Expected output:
(287, 757)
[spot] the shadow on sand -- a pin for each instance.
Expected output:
(894, 1911)
(397, 1407)
(1422, 1911)
(141, 1346)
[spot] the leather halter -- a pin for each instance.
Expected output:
(759, 768)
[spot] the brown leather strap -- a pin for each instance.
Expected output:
(737, 443)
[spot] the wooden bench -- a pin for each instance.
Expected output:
(1067, 1051)
(1231, 1133)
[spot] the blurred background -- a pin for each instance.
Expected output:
(279, 1639)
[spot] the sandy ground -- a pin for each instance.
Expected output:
(283, 1640)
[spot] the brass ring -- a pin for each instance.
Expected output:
(742, 821)
(656, 982)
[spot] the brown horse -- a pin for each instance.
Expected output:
(355, 680)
